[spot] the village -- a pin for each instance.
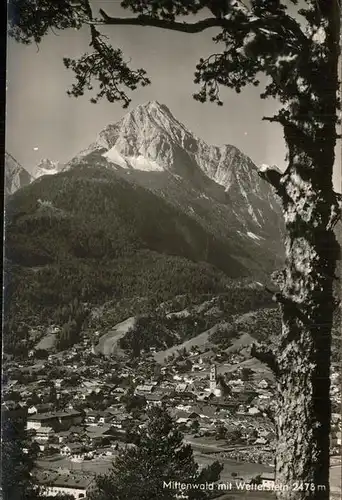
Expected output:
(80, 409)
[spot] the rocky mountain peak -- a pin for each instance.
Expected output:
(149, 138)
(16, 176)
(46, 167)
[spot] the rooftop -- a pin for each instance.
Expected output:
(56, 414)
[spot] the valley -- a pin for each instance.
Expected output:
(137, 276)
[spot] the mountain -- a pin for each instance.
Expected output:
(218, 186)
(46, 167)
(96, 214)
(88, 234)
(16, 176)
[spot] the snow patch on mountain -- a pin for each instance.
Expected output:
(253, 236)
(139, 162)
(114, 156)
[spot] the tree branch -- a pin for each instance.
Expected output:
(336, 211)
(149, 21)
(269, 412)
(288, 125)
(266, 356)
(271, 175)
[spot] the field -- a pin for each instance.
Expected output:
(244, 471)
(240, 470)
(200, 340)
(47, 342)
(252, 363)
(108, 342)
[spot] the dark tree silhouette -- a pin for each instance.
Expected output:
(16, 465)
(159, 456)
(295, 44)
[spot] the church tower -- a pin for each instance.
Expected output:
(213, 378)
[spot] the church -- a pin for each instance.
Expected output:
(214, 383)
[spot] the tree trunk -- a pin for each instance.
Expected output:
(310, 207)
(304, 350)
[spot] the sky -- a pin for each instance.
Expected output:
(43, 122)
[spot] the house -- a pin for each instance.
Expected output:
(91, 418)
(227, 405)
(32, 410)
(37, 421)
(266, 395)
(144, 389)
(197, 367)
(266, 434)
(81, 394)
(240, 410)
(63, 436)
(207, 427)
(181, 417)
(59, 382)
(78, 486)
(119, 390)
(237, 382)
(260, 440)
(203, 396)
(76, 432)
(73, 450)
(155, 399)
(263, 384)
(96, 434)
(44, 434)
(166, 391)
(105, 417)
(61, 420)
(253, 410)
(106, 452)
(181, 387)
(44, 408)
(181, 421)
(25, 393)
(11, 384)
(204, 411)
(119, 420)
(66, 450)
(9, 405)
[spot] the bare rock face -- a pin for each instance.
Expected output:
(46, 167)
(16, 176)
